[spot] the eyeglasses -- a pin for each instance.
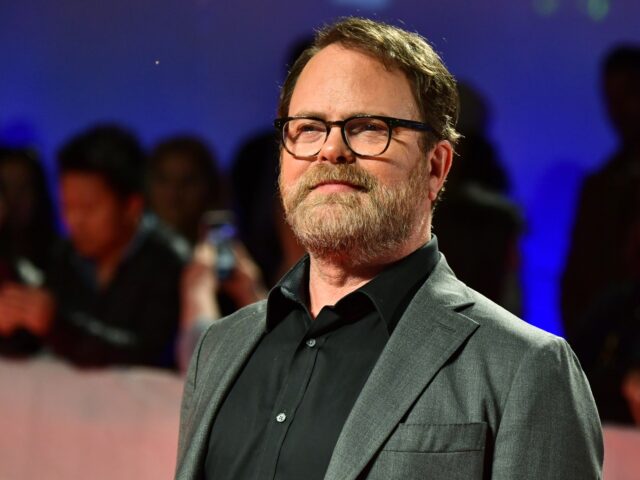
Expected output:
(365, 135)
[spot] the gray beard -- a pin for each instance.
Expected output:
(358, 226)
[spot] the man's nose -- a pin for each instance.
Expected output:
(335, 150)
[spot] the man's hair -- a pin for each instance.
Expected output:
(433, 87)
(41, 226)
(622, 58)
(109, 151)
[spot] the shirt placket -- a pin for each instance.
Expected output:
(289, 399)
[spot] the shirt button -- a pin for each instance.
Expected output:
(311, 342)
(281, 418)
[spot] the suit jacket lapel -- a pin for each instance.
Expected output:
(219, 369)
(429, 332)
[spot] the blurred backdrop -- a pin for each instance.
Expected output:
(213, 68)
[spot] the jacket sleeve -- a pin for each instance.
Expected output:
(550, 427)
(187, 398)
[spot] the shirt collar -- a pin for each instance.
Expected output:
(392, 289)
(389, 292)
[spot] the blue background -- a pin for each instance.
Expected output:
(214, 67)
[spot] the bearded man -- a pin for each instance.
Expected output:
(370, 359)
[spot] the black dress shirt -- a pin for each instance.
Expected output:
(282, 417)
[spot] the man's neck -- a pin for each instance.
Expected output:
(108, 263)
(331, 279)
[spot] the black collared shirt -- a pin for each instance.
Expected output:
(282, 417)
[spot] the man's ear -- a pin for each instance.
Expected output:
(440, 159)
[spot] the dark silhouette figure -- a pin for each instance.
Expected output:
(601, 282)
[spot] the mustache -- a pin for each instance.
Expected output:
(343, 173)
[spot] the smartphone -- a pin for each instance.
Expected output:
(220, 231)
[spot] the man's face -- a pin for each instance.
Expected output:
(337, 202)
(622, 93)
(178, 192)
(98, 220)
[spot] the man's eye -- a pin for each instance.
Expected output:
(310, 127)
(307, 131)
(363, 126)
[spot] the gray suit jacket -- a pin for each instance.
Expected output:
(462, 390)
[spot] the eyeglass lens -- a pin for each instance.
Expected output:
(305, 137)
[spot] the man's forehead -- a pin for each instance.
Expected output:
(345, 59)
(352, 81)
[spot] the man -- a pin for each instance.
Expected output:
(609, 201)
(183, 182)
(369, 359)
(112, 292)
(601, 281)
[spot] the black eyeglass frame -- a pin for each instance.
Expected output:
(391, 123)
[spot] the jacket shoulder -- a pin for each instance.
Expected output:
(499, 332)
(242, 322)
(503, 326)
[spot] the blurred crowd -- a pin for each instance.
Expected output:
(155, 245)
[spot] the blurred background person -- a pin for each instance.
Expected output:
(608, 209)
(601, 282)
(27, 234)
(184, 181)
(29, 228)
(477, 225)
(112, 291)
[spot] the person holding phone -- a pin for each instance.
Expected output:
(220, 278)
